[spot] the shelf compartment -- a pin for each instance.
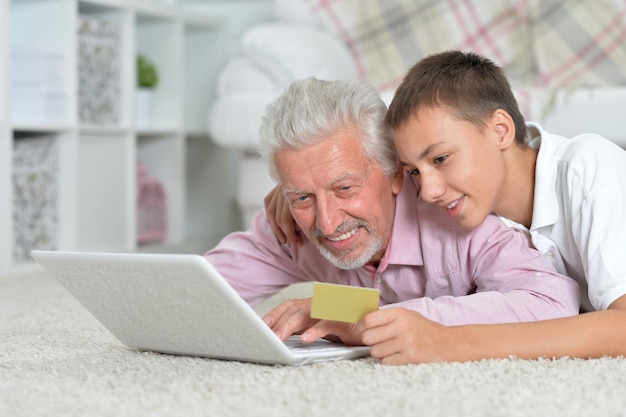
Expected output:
(208, 218)
(159, 39)
(106, 191)
(204, 57)
(163, 157)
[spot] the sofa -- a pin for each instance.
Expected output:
(565, 59)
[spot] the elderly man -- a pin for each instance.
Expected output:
(363, 225)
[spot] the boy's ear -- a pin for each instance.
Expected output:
(503, 126)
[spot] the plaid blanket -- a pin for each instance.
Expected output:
(556, 42)
(386, 37)
(579, 42)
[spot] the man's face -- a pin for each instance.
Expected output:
(457, 166)
(342, 201)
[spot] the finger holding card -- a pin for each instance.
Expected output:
(335, 331)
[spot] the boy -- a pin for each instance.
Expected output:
(459, 132)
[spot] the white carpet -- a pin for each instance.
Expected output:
(56, 360)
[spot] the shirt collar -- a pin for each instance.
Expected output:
(546, 202)
(404, 247)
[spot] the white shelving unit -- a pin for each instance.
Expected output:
(6, 235)
(94, 204)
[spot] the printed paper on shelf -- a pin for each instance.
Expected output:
(38, 87)
(35, 218)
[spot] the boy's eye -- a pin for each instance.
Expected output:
(440, 159)
(413, 172)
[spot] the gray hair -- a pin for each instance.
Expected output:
(310, 110)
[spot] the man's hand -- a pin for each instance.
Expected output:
(294, 317)
(335, 331)
(280, 218)
(290, 317)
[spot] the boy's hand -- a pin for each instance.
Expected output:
(399, 336)
(280, 218)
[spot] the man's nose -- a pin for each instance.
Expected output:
(329, 215)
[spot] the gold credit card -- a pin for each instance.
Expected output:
(342, 302)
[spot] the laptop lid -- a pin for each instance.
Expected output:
(174, 303)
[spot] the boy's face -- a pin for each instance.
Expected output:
(458, 166)
(342, 201)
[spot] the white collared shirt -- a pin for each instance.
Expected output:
(579, 212)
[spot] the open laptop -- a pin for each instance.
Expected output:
(178, 304)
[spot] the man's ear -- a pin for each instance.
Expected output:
(501, 123)
(397, 181)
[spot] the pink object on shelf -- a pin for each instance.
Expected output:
(151, 208)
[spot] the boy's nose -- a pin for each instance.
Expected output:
(431, 188)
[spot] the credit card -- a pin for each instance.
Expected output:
(342, 302)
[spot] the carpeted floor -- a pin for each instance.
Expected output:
(56, 360)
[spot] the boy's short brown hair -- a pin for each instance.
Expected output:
(470, 86)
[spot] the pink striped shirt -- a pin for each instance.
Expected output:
(491, 274)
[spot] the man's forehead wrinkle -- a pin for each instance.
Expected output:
(347, 175)
(293, 191)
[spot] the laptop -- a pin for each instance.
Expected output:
(178, 304)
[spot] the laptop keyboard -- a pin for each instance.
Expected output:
(295, 344)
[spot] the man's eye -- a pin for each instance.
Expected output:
(299, 199)
(346, 191)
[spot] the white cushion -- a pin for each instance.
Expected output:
(294, 11)
(297, 52)
(234, 119)
(243, 75)
(272, 56)
(243, 91)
